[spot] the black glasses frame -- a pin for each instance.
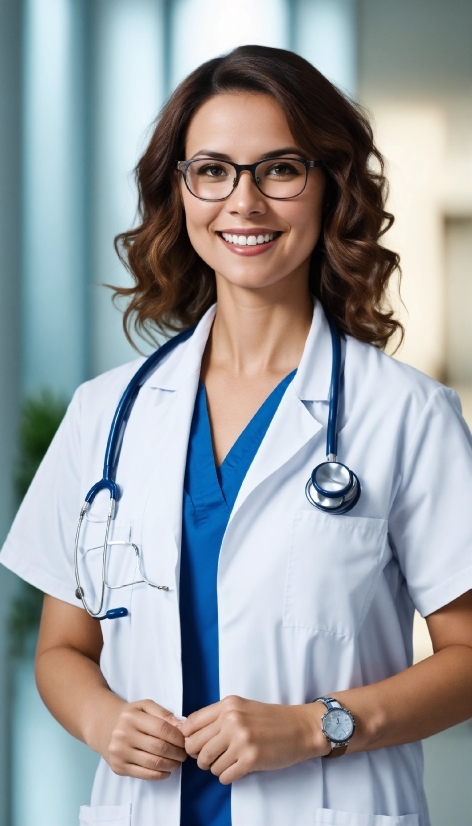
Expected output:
(183, 166)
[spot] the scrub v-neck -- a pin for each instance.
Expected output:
(208, 499)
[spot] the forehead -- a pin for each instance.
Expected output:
(242, 124)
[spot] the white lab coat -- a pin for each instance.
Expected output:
(309, 603)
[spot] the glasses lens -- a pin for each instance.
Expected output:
(210, 180)
(281, 177)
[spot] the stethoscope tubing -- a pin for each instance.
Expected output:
(332, 434)
(123, 411)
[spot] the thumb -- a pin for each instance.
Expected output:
(150, 707)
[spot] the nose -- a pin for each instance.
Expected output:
(246, 198)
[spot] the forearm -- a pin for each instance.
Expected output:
(416, 703)
(74, 690)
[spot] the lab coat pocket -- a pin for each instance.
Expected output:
(120, 565)
(109, 815)
(334, 561)
(332, 817)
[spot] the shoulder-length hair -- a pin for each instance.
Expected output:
(349, 270)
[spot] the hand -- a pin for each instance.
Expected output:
(144, 742)
(235, 736)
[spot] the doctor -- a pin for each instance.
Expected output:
(261, 210)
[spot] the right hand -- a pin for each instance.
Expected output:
(144, 742)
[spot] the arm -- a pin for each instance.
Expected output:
(136, 739)
(428, 697)
(237, 736)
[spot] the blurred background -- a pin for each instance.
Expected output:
(80, 83)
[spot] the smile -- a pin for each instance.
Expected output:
(249, 240)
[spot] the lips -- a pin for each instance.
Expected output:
(250, 240)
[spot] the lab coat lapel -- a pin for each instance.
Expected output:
(169, 399)
(293, 426)
(166, 458)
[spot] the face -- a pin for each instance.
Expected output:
(244, 128)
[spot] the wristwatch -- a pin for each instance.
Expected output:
(338, 725)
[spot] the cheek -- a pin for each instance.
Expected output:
(198, 218)
(305, 223)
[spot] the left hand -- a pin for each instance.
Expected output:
(236, 736)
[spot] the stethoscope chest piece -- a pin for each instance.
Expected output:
(333, 488)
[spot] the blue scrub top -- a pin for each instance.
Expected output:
(209, 496)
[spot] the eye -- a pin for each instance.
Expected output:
(211, 170)
(285, 169)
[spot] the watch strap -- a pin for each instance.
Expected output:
(336, 752)
(330, 703)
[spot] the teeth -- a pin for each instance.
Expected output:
(248, 240)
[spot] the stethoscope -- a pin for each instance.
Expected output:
(332, 486)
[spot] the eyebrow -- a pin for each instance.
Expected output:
(274, 153)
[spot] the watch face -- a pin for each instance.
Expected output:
(338, 725)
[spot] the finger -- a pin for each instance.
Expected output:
(196, 742)
(212, 750)
(199, 719)
(150, 707)
(235, 771)
(158, 727)
(152, 762)
(133, 770)
(155, 710)
(224, 762)
(158, 747)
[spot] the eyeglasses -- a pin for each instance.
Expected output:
(215, 180)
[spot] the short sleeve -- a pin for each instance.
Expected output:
(40, 545)
(430, 523)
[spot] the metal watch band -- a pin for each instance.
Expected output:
(329, 702)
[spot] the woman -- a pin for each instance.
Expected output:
(261, 190)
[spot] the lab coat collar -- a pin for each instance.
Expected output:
(186, 360)
(310, 384)
(313, 377)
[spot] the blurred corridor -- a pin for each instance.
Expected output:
(80, 84)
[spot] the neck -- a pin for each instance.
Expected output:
(257, 332)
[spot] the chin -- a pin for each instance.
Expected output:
(249, 281)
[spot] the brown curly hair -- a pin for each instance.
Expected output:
(349, 271)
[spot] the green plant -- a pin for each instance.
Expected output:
(40, 418)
